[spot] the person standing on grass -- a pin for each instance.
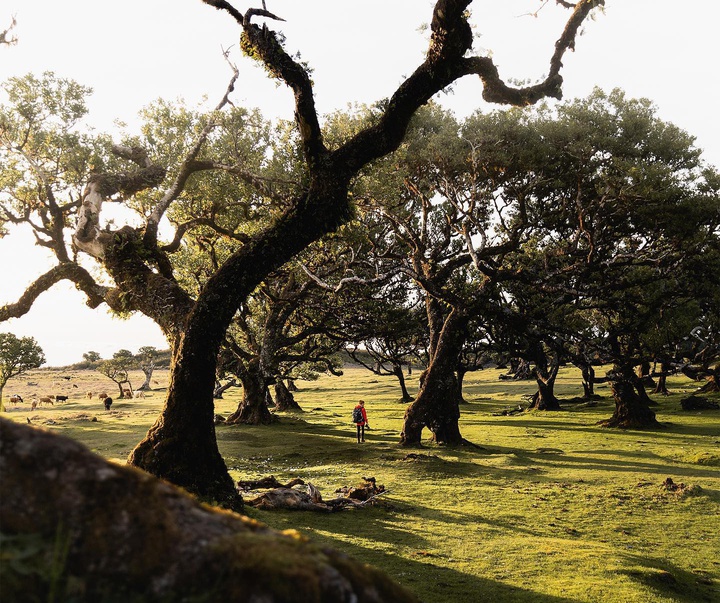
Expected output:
(360, 419)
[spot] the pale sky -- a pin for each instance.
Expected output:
(135, 51)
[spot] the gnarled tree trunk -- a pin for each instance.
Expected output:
(147, 369)
(546, 371)
(436, 405)
(544, 398)
(661, 384)
(253, 409)
(284, 400)
(631, 410)
(713, 383)
(181, 446)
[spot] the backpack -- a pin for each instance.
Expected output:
(357, 415)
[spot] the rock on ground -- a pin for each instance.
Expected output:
(75, 527)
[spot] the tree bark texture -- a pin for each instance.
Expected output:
(436, 405)
(284, 400)
(546, 371)
(253, 408)
(631, 410)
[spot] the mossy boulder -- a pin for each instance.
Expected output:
(75, 527)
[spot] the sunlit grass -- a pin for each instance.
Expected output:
(549, 507)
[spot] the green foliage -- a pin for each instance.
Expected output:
(17, 356)
(92, 356)
(41, 140)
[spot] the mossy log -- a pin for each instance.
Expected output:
(103, 532)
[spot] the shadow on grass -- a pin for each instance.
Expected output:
(427, 576)
(308, 442)
(671, 581)
(661, 467)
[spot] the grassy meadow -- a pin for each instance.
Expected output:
(548, 508)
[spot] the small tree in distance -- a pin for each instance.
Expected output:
(92, 357)
(18, 355)
(117, 369)
(147, 356)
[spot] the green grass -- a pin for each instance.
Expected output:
(551, 508)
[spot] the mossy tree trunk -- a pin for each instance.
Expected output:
(631, 409)
(284, 400)
(436, 405)
(253, 408)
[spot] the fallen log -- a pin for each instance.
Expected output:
(267, 482)
(309, 498)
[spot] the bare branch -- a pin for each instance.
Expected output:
(262, 43)
(174, 245)
(5, 37)
(260, 12)
(350, 280)
(226, 6)
(66, 271)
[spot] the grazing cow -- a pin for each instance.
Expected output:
(89, 395)
(47, 400)
(102, 396)
(61, 398)
(127, 393)
(33, 405)
(15, 399)
(139, 394)
(108, 403)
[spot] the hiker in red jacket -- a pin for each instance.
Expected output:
(360, 419)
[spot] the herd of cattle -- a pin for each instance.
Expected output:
(35, 401)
